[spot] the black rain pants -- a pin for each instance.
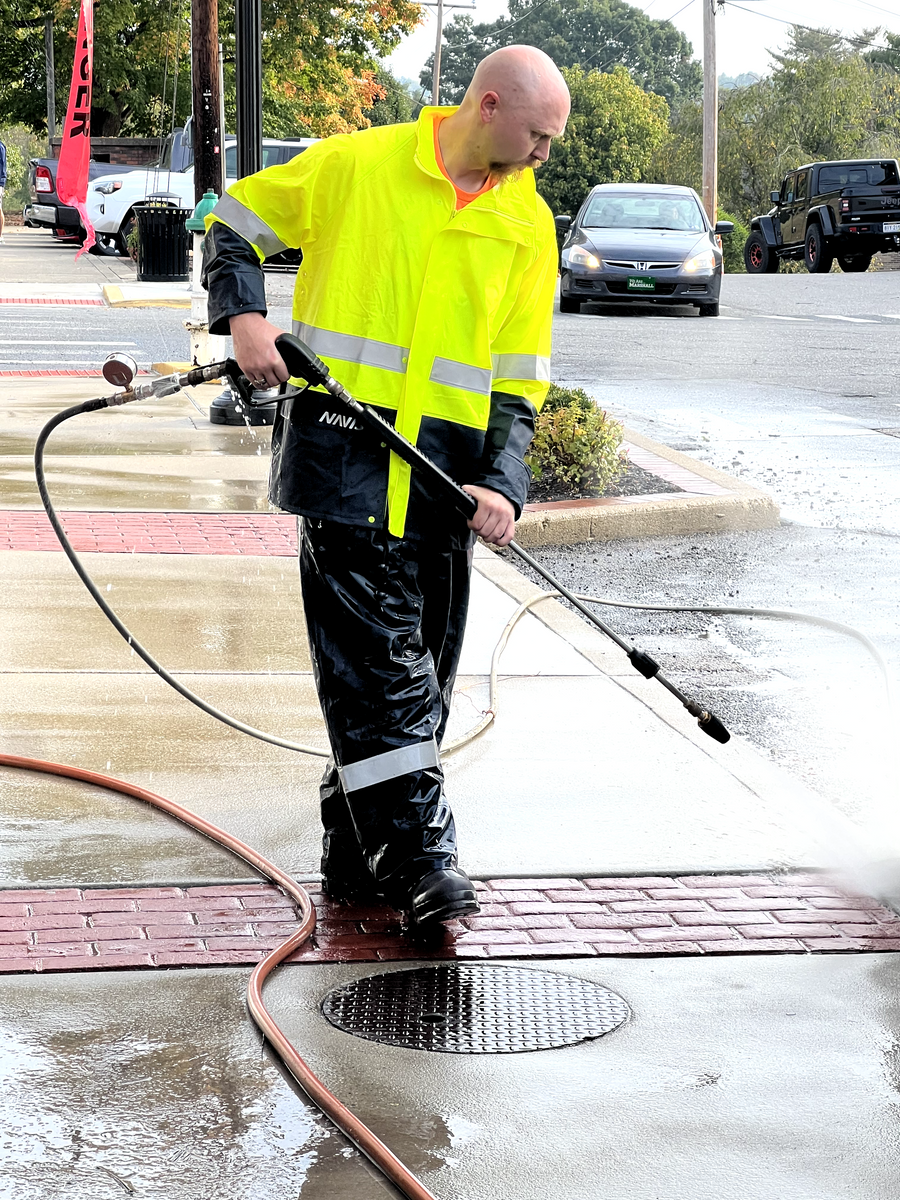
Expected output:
(386, 618)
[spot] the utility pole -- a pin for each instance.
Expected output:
(248, 71)
(436, 70)
(710, 112)
(51, 78)
(207, 131)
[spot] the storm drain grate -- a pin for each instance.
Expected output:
(475, 1008)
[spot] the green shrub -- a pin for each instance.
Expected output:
(733, 245)
(576, 445)
(21, 145)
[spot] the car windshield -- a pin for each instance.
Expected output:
(644, 210)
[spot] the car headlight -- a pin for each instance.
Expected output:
(704, 261)
(106, 188)
(583, 258)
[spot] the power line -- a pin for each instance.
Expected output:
(855, 42)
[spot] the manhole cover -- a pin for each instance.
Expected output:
(475, 1008)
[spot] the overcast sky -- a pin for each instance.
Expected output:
(745, 29)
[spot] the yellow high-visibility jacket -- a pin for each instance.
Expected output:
(441, 319)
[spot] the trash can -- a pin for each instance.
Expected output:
(162, 242)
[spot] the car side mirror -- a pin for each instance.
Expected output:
(774, 197)
(562, 223)
(724, 227)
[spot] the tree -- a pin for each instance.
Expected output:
(888, 57)
(824, 100)
(612, 131)
(320, 61)
(594, 34)
(397, 102)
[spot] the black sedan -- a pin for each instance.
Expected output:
(646, 242)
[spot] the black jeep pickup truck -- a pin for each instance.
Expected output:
(827, 210)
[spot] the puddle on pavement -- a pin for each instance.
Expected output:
(156, 1086)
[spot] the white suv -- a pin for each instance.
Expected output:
(111, 198)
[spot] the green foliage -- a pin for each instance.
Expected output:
(560, 397)
(320, 60)
(576, 445)
(613, 129)
(824, 100)
(594, 34)
(21, 145)
(396, 105)
(733, 245)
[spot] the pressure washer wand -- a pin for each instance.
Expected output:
(303, 364)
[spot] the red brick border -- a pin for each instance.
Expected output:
(72, 929)
(49, 300)
(153, 533)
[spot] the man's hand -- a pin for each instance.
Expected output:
(253, 338)
(495, 519)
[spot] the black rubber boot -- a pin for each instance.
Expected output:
(442, 895)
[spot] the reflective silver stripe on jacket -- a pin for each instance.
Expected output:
(390, 765)
(461, 375)
(347, 348)
(521, 366)
(244, 221)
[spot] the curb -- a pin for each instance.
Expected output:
(711, 502)
(115, 298)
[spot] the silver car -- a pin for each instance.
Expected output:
(644, 242)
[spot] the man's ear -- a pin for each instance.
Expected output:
(490, 102)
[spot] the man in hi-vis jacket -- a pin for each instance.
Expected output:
(427, 283)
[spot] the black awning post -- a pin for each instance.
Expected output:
(248, 72)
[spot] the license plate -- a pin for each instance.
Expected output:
(893, 227)
(641, 283)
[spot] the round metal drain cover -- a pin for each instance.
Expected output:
(475, 1008)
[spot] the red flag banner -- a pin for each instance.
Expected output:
(75, 152)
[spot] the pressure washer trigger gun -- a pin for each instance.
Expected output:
(239, 382)
(301, 362)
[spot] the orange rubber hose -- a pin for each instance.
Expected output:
(359, 1134)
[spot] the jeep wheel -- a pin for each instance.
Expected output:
(818, 254)
(854, 262)
(709, 310)
(759, 257)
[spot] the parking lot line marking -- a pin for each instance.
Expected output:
(893, 316)
(770, 317)
(854, 320)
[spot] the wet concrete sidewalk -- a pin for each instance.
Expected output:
(748, 1074)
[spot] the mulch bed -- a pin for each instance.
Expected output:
(634, 482)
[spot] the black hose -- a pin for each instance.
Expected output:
(142, 651)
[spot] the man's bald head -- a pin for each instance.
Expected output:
(518, 72)
(517, 101)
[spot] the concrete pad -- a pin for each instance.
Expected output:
(162, 1083)
(732, 1079)
(177, 424)
(159, 482)
(548, 790)
(215, 613)
(194, 612)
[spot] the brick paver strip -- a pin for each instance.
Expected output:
(75, 929)
(154, 532)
